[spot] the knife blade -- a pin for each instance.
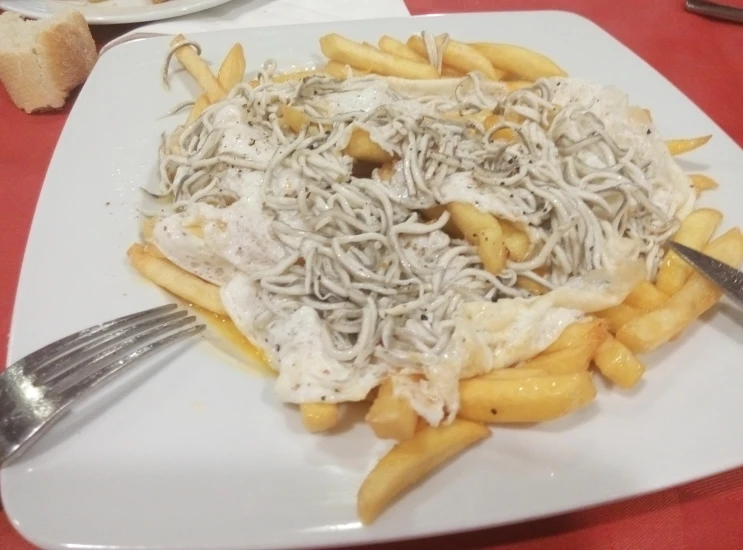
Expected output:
(729, 279)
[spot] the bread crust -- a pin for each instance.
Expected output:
(41, 77)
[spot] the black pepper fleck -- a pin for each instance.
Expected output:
(493, 412)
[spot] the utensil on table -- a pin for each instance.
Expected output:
(729, 279)
(36, 390)
(716, 11)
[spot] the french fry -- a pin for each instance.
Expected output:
(702, 183)
(410, 461)
(512, 373)
(565, 361)
(176, 280)
(573, 350)
(615, 361)
(519, 61)
(492, 248)
(199, 70)
(646, 297)
(231, 73)
(531, 286)
(153, 250)
(361, 147)
(506, 134)
(391, 417)
(338, 48)
(293, 118)
(618, 316)
(698, 294)
(339, 70)
(576, 335)
(399, 49)
(517, 241)
(534, 399)
(681, 146)
(319, 417)
(148, 228)
(470, 220)
(451, 72)
(435, 212)
(696, 229)
(459, 56)
(199, 106)
(483, 230)
(232, 70)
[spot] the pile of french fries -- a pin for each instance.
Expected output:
(555, 382)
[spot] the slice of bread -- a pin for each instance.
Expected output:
(41, 62)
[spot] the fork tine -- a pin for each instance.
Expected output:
(86, 335)
(59, 364)
(59, 381)
(107, 371)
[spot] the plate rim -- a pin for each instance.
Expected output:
(155, 12)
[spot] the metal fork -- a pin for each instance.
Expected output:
(716, 11)
(35, 391)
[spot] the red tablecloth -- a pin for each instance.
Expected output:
(702, 57)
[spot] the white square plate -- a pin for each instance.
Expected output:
(195, 452)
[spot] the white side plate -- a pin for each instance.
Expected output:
(196, 453)
(111, 11)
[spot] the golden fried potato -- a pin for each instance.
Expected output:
(513, 372)
(232, 70)
(702, 183)
(698, 294)
(646, 297)
(506, 134)
(534, 399)
(519, 61)
(399, 49)
(341, 49)
(459, 56)
(517, 241)
(615, 361)
(361, 147)
(696, 229)
(391, 417)
(618, 316)
(435, 212)
(681, 146)
(199, 70)
(577, 334)
(573, 349)
(410, 461)
(176, 280)
(492, 248)
(451, 72)
(199, 106)
(319, 417)
(481, 229)
(231, 73)
(531, 286)
(293, 118)
(148, 228)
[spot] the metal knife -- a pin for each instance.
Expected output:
(729, 279)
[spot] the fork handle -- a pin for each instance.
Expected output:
(716, 11)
